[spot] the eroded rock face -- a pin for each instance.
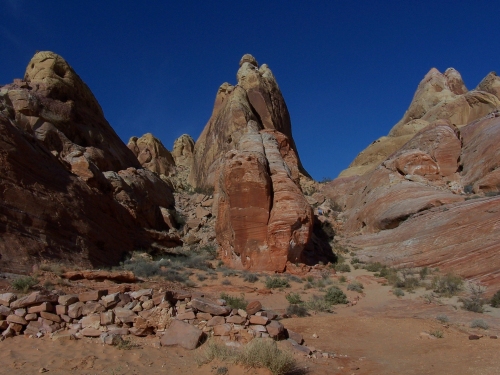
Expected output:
(152, 155)
(57, 151)
(263, 218)
(256, 97)
(438, 97)
(183, 151)
(415, 209)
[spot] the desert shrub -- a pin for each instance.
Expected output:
(142, 268)
(308, 285)
(355, 286)
(265, 353)
(53, 267)
(310, 278)
(209, 250)
(355, 260)
(226, 282)
(437, 334)
(294, 278)
(298, 310)
(318, 304)
(48, 285)
(23, 284)
(479, 323)
(335, 296)
(201, 277)
(447, 285)
(199, 262)
(475, 301)
(174, 276)
(442, 318)
(229, 272)
(468, 189)
(190, 283)
(342, 267)
(235, 302)
(320, 284)
(391, 275)
(495, 300)
(294, 298)
(398, 292)
(424, 272)
(250, 277)
(342, 279)
(373, 267)
(276, 282)
(223, 370)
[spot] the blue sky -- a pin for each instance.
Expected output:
(347, 69)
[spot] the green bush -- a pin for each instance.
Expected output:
(342, 267)
(318, 304)
(495, 300)
(442, 318)
(355, 286)
(342, 279)
(142, 268)
(250, 277)
(276, 282)
(447, 285)
(437, 334)
(474, 301)
(235, 302)
(23, 284)
(479, 323)
(398, 292)
(373, 267)
(298, 310)
(335, 296)
(294, 298)
(175, 276)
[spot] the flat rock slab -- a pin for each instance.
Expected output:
(182, 334)
(33, 299)
(253, 307)
(209, 306)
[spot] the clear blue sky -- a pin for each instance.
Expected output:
(347, 69)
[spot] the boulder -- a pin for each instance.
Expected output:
(209, 306)
(152, 155)
(182, 334)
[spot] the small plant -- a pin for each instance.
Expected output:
(373, 267)
(48, 285)
(318, 304)
(294, 278)
(495, 300)
(126, 345)
(294, 298)
(298, 310)
(257, 354)
(175, 276)
(355, 286)
(474, 302)
(276, 282)
(189, 283)
(223, 370)
(307, 285)
(424, 272)
(398, 292)
(447, 285)
(226, 282)
(201, 277)
(142, 268)
(235, 302)
(335, 296)
(342, 267)
(442, 318)
(250, 277)
(342, 279)
(23, 284)
(437, 334)
(479, 323)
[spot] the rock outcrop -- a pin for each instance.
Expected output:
(70, 189)
(256, 97)
(152, 155)
(439, 96)
(263, 220)
(183, 151)
(416, 207)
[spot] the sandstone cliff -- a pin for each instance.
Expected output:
(70, 189)
(256, 97)
(431, 200)
(438, 96)
(152, 155)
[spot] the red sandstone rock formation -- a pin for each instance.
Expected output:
(69, 188)
(412, 208)
(152, 155)
(256, 97)
(438, 97)
(263, 219)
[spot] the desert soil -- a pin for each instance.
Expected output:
(381, 334)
